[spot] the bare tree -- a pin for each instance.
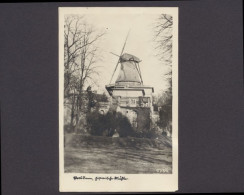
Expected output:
(72, 36)
(163, 39)
(80, 61)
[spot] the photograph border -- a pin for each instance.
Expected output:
(135, 182)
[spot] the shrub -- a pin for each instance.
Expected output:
(106, 124)
(151, 134)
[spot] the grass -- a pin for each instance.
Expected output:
(94, 154)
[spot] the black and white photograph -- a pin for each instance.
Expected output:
(118, 82)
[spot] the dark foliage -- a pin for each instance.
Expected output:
(105, 125)
(101, 97)
(151, 134)
(165, 115)
(68, 129)
(91, 99)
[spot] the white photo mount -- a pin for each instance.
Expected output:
(104, 182)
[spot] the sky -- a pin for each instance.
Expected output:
(139, 43)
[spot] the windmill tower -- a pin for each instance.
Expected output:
(129, 95)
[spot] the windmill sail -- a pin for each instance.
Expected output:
(120, 56)
(129, 74)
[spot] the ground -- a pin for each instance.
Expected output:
(117, 155)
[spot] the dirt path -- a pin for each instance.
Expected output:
(117, 159)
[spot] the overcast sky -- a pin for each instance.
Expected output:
(140, 43)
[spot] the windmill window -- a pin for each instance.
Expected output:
(133, 101)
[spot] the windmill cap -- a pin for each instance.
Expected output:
(129, 57)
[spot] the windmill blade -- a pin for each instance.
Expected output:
(120, 56)
(140, 72)
(114, 54)
(125, 43)
(114, 71)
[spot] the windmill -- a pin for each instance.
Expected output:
(129, 95)
(130, 72)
